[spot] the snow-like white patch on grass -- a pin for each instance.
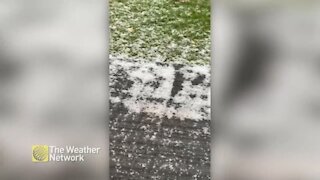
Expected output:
(167, 30)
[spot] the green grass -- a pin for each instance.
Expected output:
(169, 30)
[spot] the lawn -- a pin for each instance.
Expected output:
(165, 30)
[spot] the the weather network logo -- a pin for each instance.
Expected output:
(49, 153)
(40, 153)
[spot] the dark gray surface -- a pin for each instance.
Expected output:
(159, 145)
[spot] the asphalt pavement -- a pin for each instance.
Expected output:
(160, 120)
